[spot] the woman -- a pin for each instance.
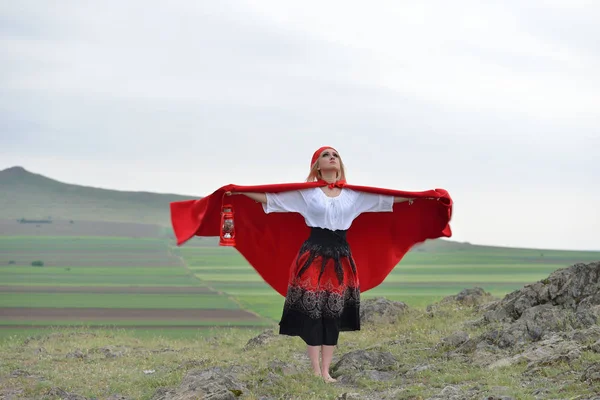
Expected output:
(323, 294)
(340, 239)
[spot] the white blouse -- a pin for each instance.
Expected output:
(322, 211)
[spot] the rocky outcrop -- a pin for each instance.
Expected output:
(375, 365)
(213, 383)
(469, 297)
(549, 322)
(569, 299)
(263, 339)
(380, 310)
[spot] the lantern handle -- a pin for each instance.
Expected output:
(226, 193)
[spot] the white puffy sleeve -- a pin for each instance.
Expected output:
(291, 201)
(371, 202)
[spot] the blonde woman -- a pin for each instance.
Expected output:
(309, 257)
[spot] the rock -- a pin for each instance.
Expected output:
(469, 297)
(270, 380)
(566, 287)
(474, 323)
(449, 392)
(117, 397)
(20, 372)
(589, 335)
(11, 393)
(469, 346)
(111, 351)
(377, 376)
(454, 340)
(283, 368)
(381, 310)
(568, 300)
(591, 374)
(417, 369)
(539, 392)
(349, 396)
(595, 347)
(211, 383)
(63, 395)
(77, 354)
(547, 352)
(369, 375)
(499, 337)
(362, 360)
(163, 394)
(165, 350)
(263, 339)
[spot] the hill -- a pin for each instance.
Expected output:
(36, 197)
(33, 196)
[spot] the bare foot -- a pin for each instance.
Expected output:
(317, 373)
(328, 378)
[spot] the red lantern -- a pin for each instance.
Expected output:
(227, 228)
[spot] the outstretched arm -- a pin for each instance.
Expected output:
(410, 200)
(260, 197)
(291, 201)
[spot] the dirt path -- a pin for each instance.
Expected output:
(147, 314)
(109, 289)
(133, 326)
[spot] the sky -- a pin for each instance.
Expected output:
(497, 102)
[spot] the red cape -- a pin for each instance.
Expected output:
(270, 242)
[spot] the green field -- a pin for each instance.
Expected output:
(82, 300)
(224, 281)
(122, 291)
(425, 275)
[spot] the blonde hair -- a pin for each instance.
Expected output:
(315, 174)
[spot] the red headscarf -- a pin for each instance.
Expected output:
(318, 153)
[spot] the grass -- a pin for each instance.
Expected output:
(412, 340)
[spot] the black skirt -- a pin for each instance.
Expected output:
(323, 296)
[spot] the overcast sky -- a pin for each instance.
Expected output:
(498, 101)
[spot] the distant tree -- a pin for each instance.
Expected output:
(37, 263)
(71, 221)
(12, 262)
